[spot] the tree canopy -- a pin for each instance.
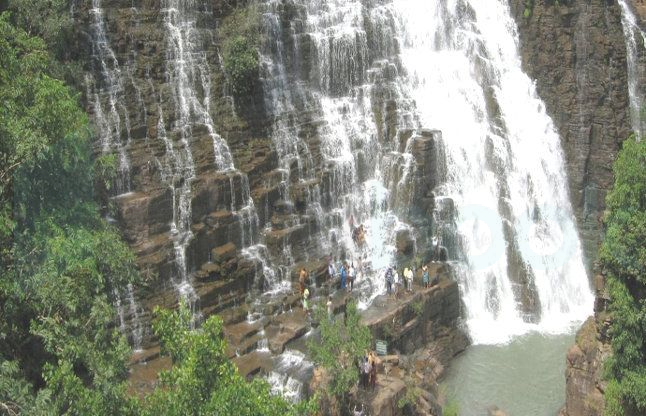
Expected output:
(623, 261)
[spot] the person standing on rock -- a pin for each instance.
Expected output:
(331, 271)
(389, 280)
(351, 276)
(302, 277)
(425, 276)
(365, 371)
(408, 275)
(344, 275)
(397, 282)
(306, 295)
(372, 377)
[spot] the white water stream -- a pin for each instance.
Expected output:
(635, 47)
(106, 94)
(505, 165)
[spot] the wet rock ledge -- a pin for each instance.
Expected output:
(421, 328)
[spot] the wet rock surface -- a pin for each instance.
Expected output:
(584, 366)
(422, 341)
(576, 52)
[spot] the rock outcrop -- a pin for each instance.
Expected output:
(422, 337)
(576, 53)
(584, 365)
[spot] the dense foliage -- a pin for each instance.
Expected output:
(203, 381)
(53, 22)
(61, 263)
(241, 38)
(623, 261)
(344, 341)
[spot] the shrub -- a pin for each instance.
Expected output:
(240, 32)
(622, 259)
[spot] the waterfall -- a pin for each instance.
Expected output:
(129, 317)
(106, 96)
(332, 54)
(187, 73)
(521, 265)
(112, 123)
(635, 47)
(350, 89)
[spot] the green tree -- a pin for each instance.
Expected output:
(623, 261)
(343, 343)
(53, 22)
(203, 381)
(62, 265)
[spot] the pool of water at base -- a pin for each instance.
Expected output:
(523, 378)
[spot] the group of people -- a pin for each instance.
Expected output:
(394, 282)
(368, 370)
(348, 274)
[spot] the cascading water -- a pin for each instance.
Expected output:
(505, 173)
(112, 119)
(129, 316)
(106, 94)
(186, 70)
(635, 47)
(291, 371)
(356, 168)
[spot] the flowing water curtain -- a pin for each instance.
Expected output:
(635, 52)
(339, 59)
(505, 171)
(105, 91)
(107, 96)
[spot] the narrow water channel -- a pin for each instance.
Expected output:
(523, 378)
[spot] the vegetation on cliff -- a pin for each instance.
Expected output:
(344, 341)
(203, 381)
(240, 33)
(623, 261)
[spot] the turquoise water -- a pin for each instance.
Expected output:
(523, 378)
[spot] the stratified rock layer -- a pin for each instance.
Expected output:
(576, 53)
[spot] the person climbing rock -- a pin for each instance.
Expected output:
(436, 279)
(425, 276)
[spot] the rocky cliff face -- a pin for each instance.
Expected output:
(203, 178)
(577, 54)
